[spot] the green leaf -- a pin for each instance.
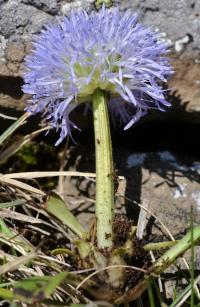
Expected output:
(53, 283)
(174, 252)
(151, 295)
(57, 207)
(13, 127)
(62, 251)
(6, 294)
(185, 293)
(4, 229)
(12, 203)
(37, 288)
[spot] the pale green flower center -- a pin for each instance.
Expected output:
(95, 82)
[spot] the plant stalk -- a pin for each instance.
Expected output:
(104, 171)
(161, 264)
(177, 250)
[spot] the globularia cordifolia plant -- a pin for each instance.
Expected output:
(86, 58)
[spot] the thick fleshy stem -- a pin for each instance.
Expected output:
(104, 171)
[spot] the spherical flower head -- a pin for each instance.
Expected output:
(107, 50)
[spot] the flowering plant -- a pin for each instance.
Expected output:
(90, 57)
(87, 58)
(115, 65)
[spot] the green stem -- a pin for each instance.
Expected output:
(104, 172)
(177, 250)
(159, 245)
(160, 265)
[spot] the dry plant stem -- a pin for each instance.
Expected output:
(104, 171)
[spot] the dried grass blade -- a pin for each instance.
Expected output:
(17, 245)
(142, 219)
(12, 266)
(7, 116)
(20, 185)
(7, 213)
(32, 175)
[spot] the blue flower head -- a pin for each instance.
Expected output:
(108, 50)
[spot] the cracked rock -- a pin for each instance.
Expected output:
(48, 6)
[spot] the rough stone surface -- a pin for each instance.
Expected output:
(178, 20)
(171, 185)
(15, 52)
(175, 18)
(186, 88)
(67, 7)
(48, 6)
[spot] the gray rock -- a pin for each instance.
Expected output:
(17, 18)
(49, 6)
(175, 18)
(3, 43)
(170, 184)
(67, 7)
